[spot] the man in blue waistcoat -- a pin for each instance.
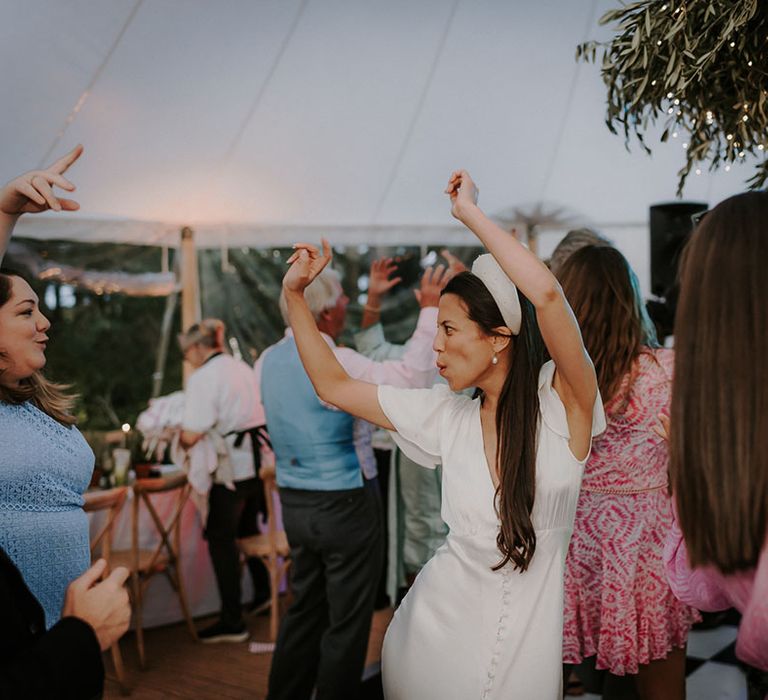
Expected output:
(331, 511)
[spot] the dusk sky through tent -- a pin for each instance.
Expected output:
(323, 113)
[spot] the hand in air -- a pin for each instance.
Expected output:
(462, 191)
(306, 264)
(380, 278)
(455, 266)
(32, 192)
(432, 283)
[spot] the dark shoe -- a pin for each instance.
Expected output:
(219, 632)
(574, 687)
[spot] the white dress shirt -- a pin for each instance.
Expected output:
(222, 395)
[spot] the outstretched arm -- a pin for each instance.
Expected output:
(329, 378)
(575, 379)
(32, 193)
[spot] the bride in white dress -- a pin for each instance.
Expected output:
(484, 617)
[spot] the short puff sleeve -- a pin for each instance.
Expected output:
(553, 411)
(419, 419)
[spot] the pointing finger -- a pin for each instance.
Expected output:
(62, 164)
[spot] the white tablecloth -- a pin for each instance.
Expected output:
(161, 604)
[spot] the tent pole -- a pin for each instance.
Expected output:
(190, 286)
(171, 301)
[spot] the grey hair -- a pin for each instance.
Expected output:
(207, 333)
(572, 241)
(321, 294)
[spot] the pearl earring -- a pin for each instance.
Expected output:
(495, 360)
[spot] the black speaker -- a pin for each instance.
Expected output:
(671, 224)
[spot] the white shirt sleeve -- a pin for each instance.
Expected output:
(200, 407)
(257, 373)
(415, 369)
(419, 417)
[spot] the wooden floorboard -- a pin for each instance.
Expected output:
(178, 667)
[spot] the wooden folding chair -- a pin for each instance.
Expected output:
(270, 547)
(164, 558)
(111, 501)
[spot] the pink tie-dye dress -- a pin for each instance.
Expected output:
(618, 604)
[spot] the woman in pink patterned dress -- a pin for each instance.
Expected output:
(618, 604)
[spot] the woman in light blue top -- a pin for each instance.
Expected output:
(45, 464)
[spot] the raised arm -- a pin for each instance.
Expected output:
(575, 378)
(32, 193)
(372, 343)
(380, 281)
(329, 378)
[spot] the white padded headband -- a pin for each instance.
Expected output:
(502, 290)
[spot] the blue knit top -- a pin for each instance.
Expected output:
(44, 469)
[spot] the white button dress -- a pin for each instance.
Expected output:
(465, 631)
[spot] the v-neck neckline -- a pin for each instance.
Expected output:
(488, 471)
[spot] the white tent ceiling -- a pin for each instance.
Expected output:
(257, 122)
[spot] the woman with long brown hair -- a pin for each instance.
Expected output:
(45, 463)
(718, 558)
(484, 617)
(618, 606)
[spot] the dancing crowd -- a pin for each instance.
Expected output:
(586, 492)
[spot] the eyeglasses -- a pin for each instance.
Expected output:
(697, 218)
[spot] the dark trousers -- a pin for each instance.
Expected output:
(233, 514)
(383, 461)
(336, 546)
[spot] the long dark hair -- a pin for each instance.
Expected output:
(604, 293)
(719, 416)
(49, 397)
(517, 419)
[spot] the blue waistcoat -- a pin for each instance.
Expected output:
(313, 445)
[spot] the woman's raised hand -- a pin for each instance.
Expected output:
(32, 192)
(462, 191)
(306, 264)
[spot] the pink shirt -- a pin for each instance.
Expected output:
(707, 589)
